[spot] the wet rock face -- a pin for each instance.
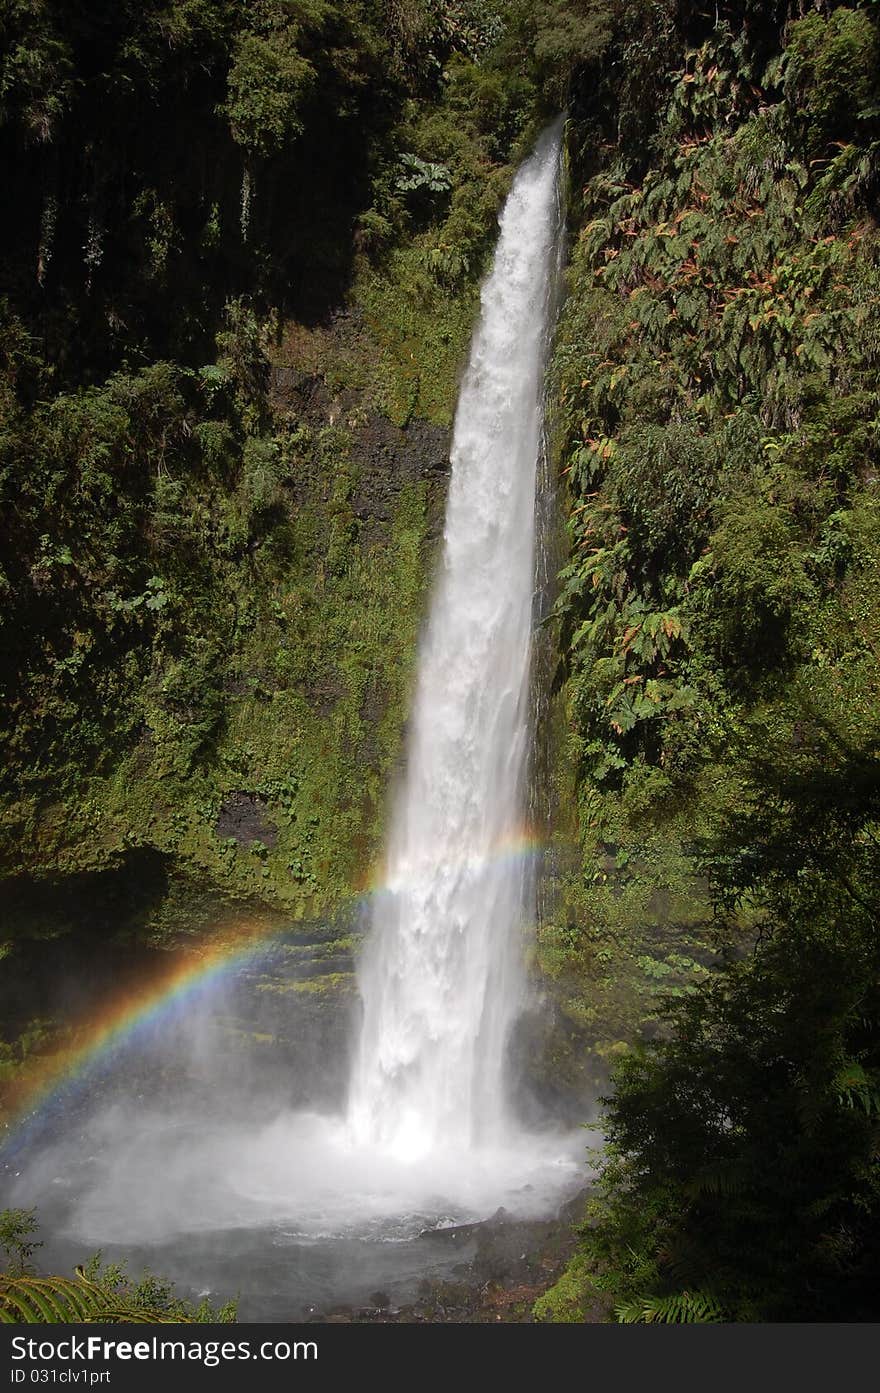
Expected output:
(387, 457)
(392, 456)
(243, 817)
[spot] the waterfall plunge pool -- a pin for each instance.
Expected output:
(290, 1217)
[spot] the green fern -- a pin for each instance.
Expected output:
(856, 1088)
(682, 1308)
(723, 1181)
(66, 1300)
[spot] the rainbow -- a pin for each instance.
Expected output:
(53, 1079)
(520, 844)
(174, 987)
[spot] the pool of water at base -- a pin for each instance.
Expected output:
(286, 1220)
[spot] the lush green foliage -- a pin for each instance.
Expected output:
(17, 1241)
(716, 377)
(155, 546)
(743, 1147)
(211, 586)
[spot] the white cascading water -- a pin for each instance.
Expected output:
(441, 978)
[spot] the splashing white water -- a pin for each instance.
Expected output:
(441, 979)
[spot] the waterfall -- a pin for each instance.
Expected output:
(441, 977)
(427, 1143)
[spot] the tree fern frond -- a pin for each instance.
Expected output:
(718, 1182)
(65, 1300)
(682, 1308)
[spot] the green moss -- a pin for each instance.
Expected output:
(573, 1299)
(331, 985)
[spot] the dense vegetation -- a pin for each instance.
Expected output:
(242, 261)
(717, 375)
(238, 278)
